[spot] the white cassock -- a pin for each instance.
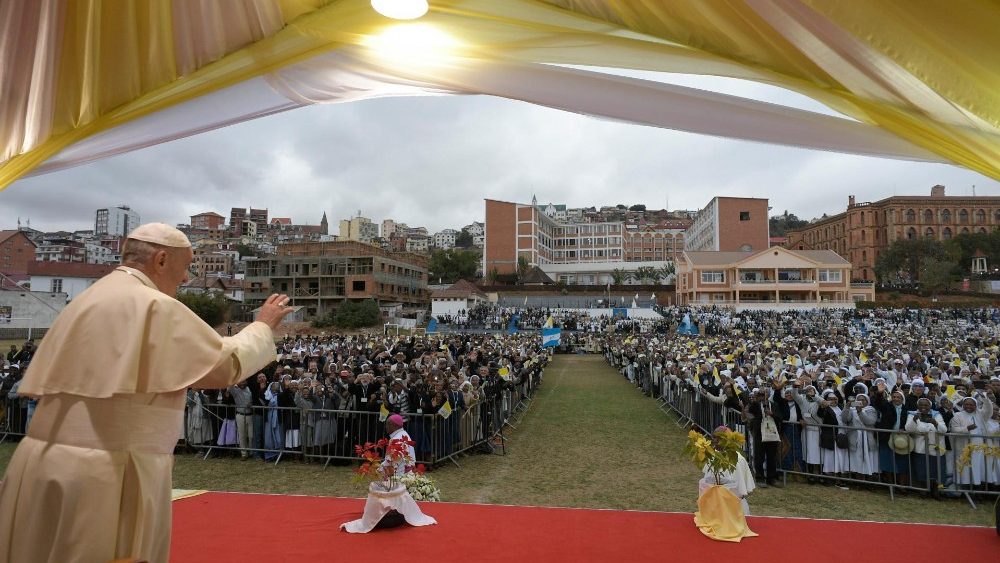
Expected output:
(92, 479)
(739, 481)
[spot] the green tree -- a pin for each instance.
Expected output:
(903, 260)
(666, 272)
(936, 275)
(637, 207)
(620, 276)
(522, 267)
(964, 246)
(492, 276)
(210, 307)
(644, 274)
(352, 314)
(245, 250)
(464, 239)
(453, 264)
(779, 225)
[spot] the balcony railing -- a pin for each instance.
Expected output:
(756, 281)
(796, 281)
(862, 285)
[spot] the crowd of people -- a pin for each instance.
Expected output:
(907, 397)
(490, 316)
(327, 394)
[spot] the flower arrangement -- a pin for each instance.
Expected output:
(965, 460)
(420, 486)
(382, 470)
(719, 454)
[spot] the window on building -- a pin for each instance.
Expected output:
(963, 216)
(928, 216)
(789, 275)
(830, 276)
(713, 276)
(57, 285)
(911, 233)
(980, 216)
(744, 215)
(946, 216)
(946, 233)
(911, 216)
(929, 232)
(862, 218)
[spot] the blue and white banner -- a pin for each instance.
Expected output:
(551, 337)
(432, 326)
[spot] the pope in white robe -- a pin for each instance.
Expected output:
(92, 479)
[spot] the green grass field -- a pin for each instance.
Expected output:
(589, 440)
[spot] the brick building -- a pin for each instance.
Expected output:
(320, 275)
(862, 232)
(576, 251)
(16, 252)
(209, 220)
(730, 224)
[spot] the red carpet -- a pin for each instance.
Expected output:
(222, 527)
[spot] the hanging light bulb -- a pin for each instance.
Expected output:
(400, 9)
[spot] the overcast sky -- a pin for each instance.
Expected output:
(430, 162)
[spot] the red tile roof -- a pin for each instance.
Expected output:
(69, 269)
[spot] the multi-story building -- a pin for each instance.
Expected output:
(16, 252)
(445, 239)
(99, 254)
(418, 243)
(115, 221)
(574, 252)
(771, 278)
(359, 229)
(208, 220)
(390, 227)
(320, 275)
(211, 262)
(729, 224)
(862, 232)
(60, 247)
(241, 219)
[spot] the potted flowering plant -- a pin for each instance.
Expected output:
(420, 485)
(721, 456)
(383, 471)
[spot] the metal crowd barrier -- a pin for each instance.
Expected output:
(911, 472)
(326, 436)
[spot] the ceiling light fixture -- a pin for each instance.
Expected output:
(400, 9)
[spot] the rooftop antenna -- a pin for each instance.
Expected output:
(973, 190)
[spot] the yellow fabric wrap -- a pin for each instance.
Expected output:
(720, 516)
(927, 72)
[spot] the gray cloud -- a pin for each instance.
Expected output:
(430, 161)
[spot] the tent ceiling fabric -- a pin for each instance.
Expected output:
(85, 79)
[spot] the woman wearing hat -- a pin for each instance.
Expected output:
(893, 447)
(928, 444)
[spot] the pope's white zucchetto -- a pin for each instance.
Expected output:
(161, 234)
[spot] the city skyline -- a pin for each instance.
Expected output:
(430, 161)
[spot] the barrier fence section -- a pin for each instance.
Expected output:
(328, 435)
(941, 463)
(274, 433)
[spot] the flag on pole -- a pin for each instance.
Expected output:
(383, 413)
(549, 322)
(551, 337)
(525, 300)
(716, 376)
(445, 410)
(432, 326)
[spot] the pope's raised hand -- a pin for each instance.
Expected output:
(274, 310)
